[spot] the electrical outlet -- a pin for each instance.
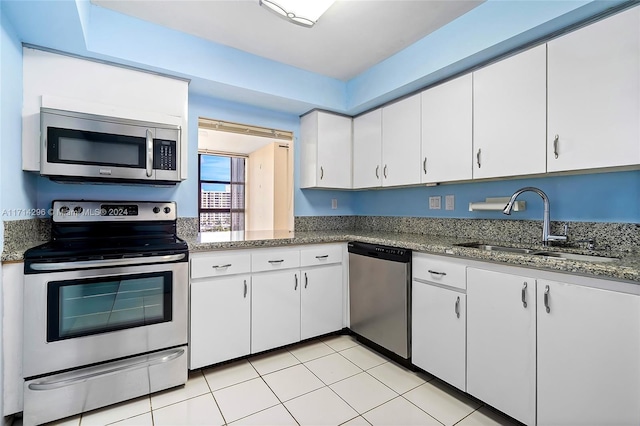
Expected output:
(334, 203)
(434, 203)
(449, 202)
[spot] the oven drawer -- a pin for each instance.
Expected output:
(440, 270)
(272, 260)
(61, 395)
(323, 254)
(218, 265)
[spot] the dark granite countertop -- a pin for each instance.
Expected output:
(627, 268)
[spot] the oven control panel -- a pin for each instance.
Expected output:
(110, 211)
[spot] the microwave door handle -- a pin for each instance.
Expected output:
(149, 153)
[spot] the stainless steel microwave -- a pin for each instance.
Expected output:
(89, 148)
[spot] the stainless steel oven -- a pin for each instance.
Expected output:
(105, 308)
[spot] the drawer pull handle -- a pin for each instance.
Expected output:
(437, 273)
(324, 256)
(457, 307)
(276, 261)
(524, 295)
(245, 289)
(221, 266)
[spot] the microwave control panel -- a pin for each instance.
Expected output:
(164, 154)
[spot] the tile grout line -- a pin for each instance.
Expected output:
(214, 397)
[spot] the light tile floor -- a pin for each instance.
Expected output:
(329, 381)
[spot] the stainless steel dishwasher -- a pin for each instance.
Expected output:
(380, 295)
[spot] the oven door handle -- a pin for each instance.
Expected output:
(87, 264)
(94, 372)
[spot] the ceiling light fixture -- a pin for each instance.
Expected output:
(300, 12)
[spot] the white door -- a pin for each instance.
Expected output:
(220, 320)
(447, 131)
(439, 332)
(334, 151)
(401, 164)
(501, 342)
(509, 116)
(320, 300)
(588, 356)
(367, 150)
(594, 95)
(275, 310)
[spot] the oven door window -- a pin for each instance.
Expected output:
(93, 148)
(97, 305)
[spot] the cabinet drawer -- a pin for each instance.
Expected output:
(321, 255)
(439, 270)
(217, 265)
(272, 260)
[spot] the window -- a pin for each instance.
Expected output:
(221, 184)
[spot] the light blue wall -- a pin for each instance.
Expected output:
(603, 197)
(17, 189)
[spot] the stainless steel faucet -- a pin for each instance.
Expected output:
(546, 231)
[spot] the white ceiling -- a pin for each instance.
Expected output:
(349, 38)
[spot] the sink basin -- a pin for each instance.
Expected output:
(553, 254)
(497, 248)
(573, 256)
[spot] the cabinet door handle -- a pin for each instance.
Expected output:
(321, 172)
(437, 273)
(245, 289)
(555, 145)
(384, 171)
(324, 256)
(296, 286)
(377, 172)
(478, 158)
(524, 295)
(276, 261)
(306, 280)
(457, 307)
(149, 163)
(221, 266)
(546, 299)
(424, 165)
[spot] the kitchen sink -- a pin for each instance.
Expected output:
(573, 256)
(551, 254)
(497, 248)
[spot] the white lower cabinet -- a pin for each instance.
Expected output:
(501, 342)
(275, 312)
(439, 332)
(320, 301)
(588, 356)
(220, 320)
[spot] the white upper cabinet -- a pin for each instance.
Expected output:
(367, 150)
(509, 107)
(594, 95)
(447, 131)
(401, 142)
(325, 150)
